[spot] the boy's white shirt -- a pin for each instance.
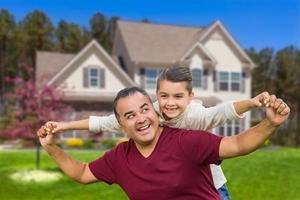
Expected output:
(195, 117)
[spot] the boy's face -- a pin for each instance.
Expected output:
(138, 118)
(173, 98)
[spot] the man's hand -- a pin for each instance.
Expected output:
(278, 111)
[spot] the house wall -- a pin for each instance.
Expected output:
(120, 50)
(227, 61)
(75, 79)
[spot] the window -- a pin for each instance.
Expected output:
(229, 81)
(150, 78)
(230, 128)
(93, 77)
(235, 81)
(223, 81)
(196, 78)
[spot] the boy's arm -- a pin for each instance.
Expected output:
(72, 125)
(199, 117)
(254, 137)
(258, 101)
(93, 124)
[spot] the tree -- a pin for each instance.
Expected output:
(32, 107)
(36, 32)
(287, 86)
(7, 45)
(69, 36)
(279, 73)
(99, 30)
(112, 25)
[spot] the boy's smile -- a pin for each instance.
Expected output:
(173, 98)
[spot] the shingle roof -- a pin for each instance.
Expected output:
(156, 43)
(48, 64)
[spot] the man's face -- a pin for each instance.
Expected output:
(138, 118)
(173, 98)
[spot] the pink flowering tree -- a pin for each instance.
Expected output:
(32, 107)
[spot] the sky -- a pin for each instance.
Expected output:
(253, 23)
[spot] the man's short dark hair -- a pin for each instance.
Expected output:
(125, 93)
(176, 74)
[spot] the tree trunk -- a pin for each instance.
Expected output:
(37, 161)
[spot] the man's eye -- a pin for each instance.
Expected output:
(129, 116)
(145, 110)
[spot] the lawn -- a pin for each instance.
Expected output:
(266, 174)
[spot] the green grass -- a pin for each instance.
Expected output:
(12, 161)
(263, 175)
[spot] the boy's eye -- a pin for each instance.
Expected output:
(178, 96)
(163, 96)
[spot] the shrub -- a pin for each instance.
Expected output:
(74, 142)
(124, 139)
(88, 144)
(108, 143)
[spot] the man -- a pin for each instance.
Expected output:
(162, 162)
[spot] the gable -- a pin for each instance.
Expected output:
(218, 37)
(72, 75)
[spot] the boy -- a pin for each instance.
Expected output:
(176, 109)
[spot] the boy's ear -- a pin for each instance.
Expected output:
(191, 95)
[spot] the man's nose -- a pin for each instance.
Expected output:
(141, 118)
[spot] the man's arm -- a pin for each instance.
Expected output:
(254, 137)
(75, 169)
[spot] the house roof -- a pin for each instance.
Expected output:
(48, 64)
(156, 43)
(149, 43)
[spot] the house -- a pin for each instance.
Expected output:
(221, 69)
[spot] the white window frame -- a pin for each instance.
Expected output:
(150, 82)
(197, 78)
(231, 128)
(235, 81)
(93, 77)
(223, 81)
(229, 81)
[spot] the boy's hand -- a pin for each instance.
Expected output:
(57, 127)
(261, 100)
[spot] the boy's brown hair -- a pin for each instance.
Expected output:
(176, 74)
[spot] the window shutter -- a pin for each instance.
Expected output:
(242, 124)
(85, 77)
(102, 77)
(243, 82)
(215, 80)
(204, 79)
(142, 77)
